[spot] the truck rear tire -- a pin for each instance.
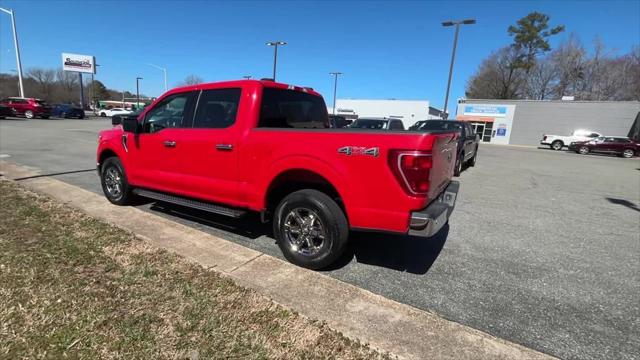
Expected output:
(557, 145)
(311, 229)
(457, 170)
(114, 182)
(472, 161)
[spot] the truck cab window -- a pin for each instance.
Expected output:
(172, 112)
(283, 108)
(217, 108)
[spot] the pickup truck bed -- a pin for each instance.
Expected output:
(272, 153)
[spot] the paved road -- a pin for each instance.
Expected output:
(543, 248)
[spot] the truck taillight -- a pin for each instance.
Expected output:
(411, 169)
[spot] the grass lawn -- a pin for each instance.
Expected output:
(74, 287)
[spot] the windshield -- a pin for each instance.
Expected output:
(368, 124)
(440, 125)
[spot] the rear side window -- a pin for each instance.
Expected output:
(292, 109)
(217, 108)
(396, 125)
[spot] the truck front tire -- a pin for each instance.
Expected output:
(114, 182)
(311, 229)
(557, 145)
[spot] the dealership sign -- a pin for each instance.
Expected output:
(79, 63)
(485, 110)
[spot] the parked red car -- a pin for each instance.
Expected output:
(28, 107)
(621, 146)
(248, 145)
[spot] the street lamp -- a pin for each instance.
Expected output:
(15, 42)
(275, 44)
(164, 70)
(335, 88)
(453, 56)
(138, 92)
(247, 77)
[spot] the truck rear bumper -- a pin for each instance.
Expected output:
(427, 222)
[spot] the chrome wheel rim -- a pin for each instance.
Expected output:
(627, 153)
(113, 182)
(584, 150)
(557, 146)
(304, 231)
(28, 114)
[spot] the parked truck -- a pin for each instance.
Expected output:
(261, 146)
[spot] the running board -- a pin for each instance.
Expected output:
(196, 204)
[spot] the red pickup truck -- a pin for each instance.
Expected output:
(238, 146)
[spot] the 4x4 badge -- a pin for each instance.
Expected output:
(359, 150)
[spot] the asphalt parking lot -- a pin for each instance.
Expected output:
(543, 248)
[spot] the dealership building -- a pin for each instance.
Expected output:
(523, 122)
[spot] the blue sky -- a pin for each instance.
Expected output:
(386, 49)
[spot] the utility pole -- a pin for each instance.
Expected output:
(15, 43)
(275, 44)
(453, 56)
(335, 89)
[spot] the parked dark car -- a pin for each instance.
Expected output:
(377, 124)
(338, 122)
(5, 111)
(468, 141)
(66, 111)
(617, 145)
(28, 107)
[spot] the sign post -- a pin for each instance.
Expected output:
(80, 64)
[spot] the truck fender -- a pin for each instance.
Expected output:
(307, 164)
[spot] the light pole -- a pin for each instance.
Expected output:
(453, 56)
(138, 92)
(247, 77)
(275, 44)
(15, 42)
(164, 70)
(335, 88)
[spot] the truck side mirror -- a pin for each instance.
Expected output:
(130, 124)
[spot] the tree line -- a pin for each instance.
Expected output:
(58, 86)
(529, 69)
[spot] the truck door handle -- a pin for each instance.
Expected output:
(169, 144)
(224, 147)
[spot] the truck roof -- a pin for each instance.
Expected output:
(240, 83)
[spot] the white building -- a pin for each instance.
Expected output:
(409, 111)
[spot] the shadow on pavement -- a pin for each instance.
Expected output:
(402, 253)
(55, 174)
(397, 252)
(623, 202)
(247, 226)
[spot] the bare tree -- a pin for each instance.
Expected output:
(45, 80)
(541, 80)
(192, 80)
(570, 61)
(498, 77)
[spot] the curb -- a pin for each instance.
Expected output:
(387, 325)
